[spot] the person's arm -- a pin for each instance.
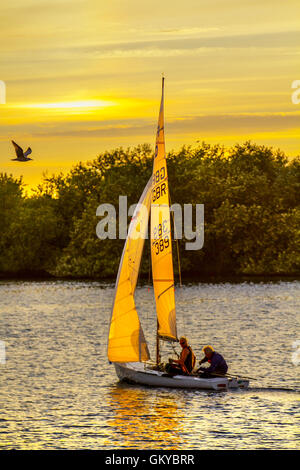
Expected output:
(214, 363)
(203, 360)
(183, 356)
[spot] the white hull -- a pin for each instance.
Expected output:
(137, 372)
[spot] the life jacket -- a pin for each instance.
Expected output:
(190, 360)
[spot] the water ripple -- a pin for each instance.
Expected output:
(59, 392)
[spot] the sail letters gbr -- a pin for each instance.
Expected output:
(161, 246)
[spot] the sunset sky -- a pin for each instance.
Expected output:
(84, 76)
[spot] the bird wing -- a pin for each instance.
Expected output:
(28, 152)
(18, 150)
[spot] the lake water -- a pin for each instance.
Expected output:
(58, 391)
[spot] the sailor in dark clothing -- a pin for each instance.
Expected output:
(186, 361)
(217, 362)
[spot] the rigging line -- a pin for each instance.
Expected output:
(177, 245)
(174, 350)
(149, 272)
(178, 258)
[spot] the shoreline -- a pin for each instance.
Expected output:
(144, 280)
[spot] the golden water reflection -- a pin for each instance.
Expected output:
(146, 420)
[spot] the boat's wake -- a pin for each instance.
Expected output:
(272, 389)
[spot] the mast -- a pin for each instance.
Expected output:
(161, 242)
(157, 345)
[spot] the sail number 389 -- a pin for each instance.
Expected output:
(161, 245)
(158, 232)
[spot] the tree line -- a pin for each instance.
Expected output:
(251, 196)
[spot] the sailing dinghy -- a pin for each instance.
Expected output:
(127, 347)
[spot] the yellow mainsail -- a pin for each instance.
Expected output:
(126, 341)
(161, 240)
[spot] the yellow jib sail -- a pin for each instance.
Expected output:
(126, 341)
(161, 240)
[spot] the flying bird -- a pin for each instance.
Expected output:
(21, 156)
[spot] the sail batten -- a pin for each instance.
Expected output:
(161, 242)
(126, 341)
(170, 287)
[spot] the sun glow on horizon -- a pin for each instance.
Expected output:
(88, 80)
(67, 104)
